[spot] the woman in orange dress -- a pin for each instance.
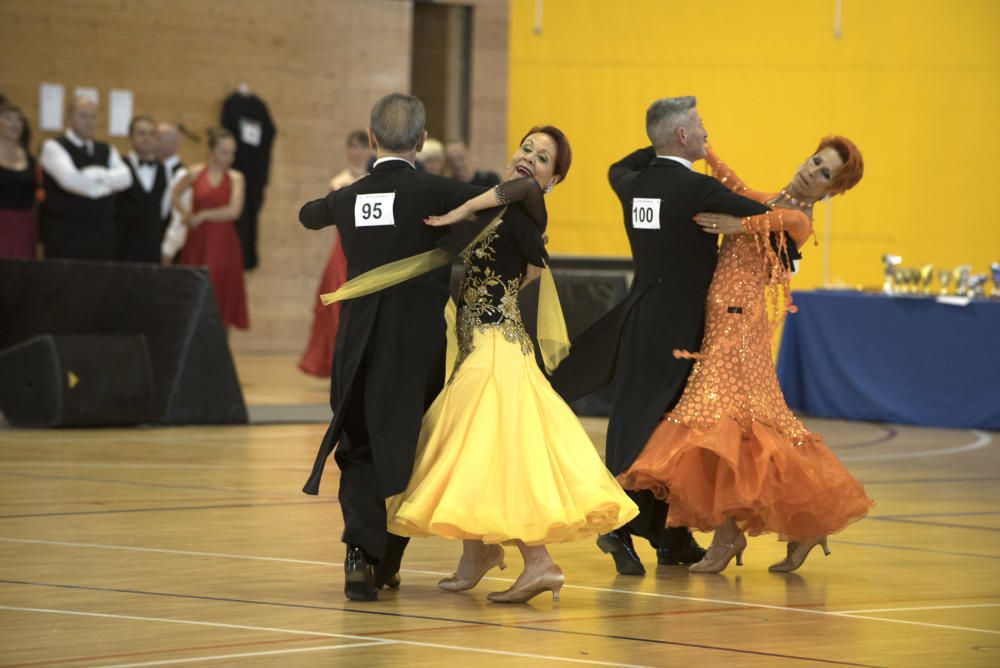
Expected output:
(731, 456)
(317, 360)
(212, 241)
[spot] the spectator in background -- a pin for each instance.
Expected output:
(81, 177)
(318, 357)
(431, 158)
(217, 199)
(358, 155)
(139, 208)
(18, 184)
(175, 230)
(458, 166)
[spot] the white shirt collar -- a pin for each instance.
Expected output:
(170, 161)
(76, 140)
(686, 163)
(134, 157)
(392, 157)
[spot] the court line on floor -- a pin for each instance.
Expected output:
(968, 514)
(925, 550)
(890, 434)
(465, 622)
(927, 481)
(172, 509)
(947, 525)
(982, 440)
(61, 661)
(159, 485)
(244, 655)
(34, 463)
(924, 607)
(375, 641)
(740, 604)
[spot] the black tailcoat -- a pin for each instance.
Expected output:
(396, 337)
(665, 310)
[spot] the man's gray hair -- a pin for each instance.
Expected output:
(398, 122)
(665, 115)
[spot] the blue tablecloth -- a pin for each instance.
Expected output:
(892, 359)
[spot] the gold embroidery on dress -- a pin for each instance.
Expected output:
(476, 302)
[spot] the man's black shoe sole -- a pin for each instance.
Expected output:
(624, 564)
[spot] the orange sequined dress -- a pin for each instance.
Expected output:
(731, 447)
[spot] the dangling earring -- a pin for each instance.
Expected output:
(548, 189)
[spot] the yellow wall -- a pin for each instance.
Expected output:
(916, 84)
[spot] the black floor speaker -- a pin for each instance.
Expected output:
(174, 308)
(71, 381)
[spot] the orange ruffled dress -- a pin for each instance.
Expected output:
(731, 447)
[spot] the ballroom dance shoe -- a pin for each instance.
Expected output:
(687, 553)
(619, 545)
(797, 553)
(718, 555)
(551, 579)
(359, 576)
(492, 557)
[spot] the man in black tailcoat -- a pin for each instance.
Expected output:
(665, 310)
(389, 355)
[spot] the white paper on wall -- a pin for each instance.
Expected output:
(50, 107)
(120, 104)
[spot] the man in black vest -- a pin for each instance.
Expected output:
(139, 208)
(81, 176)
(389, 355)
(665, 310)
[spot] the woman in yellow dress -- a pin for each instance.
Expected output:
(501, 458)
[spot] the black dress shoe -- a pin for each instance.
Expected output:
(359, 577)
(688, 552)
(618, 544)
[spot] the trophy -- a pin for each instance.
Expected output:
(961, 276)
(915, 280)
(926, 277)
(890, 262)
(995, 277)
(898, 280)
(944, 277)
(977, 285)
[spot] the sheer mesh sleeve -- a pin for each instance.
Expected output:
(526, 192)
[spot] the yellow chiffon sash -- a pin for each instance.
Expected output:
(553, 339)
(399, 271)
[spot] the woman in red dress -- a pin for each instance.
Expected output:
(217, 200)
(18, 185)
(318, 357)
(731, 456)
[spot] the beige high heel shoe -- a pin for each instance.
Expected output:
(491, 559)
(551, 579)
(718, 556)
(797, 553)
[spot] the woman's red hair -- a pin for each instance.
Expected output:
(564, 155)
(854, 164)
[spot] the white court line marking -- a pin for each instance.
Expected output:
(414, 643)
(982, 440)
(220, 657)
(745, 604)
(926, 607)
(29, 463)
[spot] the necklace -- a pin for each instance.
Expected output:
(797, 203)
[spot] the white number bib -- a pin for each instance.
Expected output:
(645, 213)
(251, 132)
(374, 210)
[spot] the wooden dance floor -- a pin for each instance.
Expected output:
(150, 547)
